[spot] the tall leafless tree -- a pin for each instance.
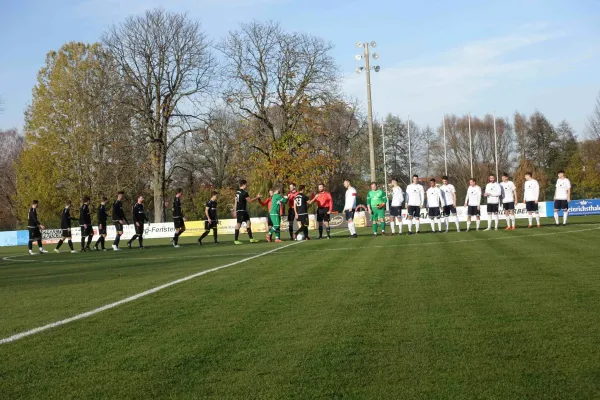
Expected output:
(166, 59)
(12, 144)
(271, 74)
(593, 125)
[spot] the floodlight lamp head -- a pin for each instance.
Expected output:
(359, 44)
(373, 44)
(358, 57)
(359, 70)
(375, 56)
(376, 68)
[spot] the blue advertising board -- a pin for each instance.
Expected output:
(8, 238)
(578, 207)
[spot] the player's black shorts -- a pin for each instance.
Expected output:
(323, 214)
(350, 215)
(492, 208)
(303, 219)
(89, 231)
(139, 230)
(561, 205)
(210, 225)
(449, 210)
(35, 233)
(66, 233)
(118, 226)
(414, 211)
(434, 212)
(510, 206)
(179, 223)
(473, 211)
(396, 211)
(102, 231)
(531, 206)
(291, 215)
(243, 216)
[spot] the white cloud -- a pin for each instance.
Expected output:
(452, 81)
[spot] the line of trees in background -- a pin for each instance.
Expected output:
(158, 105)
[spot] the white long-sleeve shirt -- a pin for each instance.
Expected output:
(473, 196)
(562, 189)
(448, 192)
(350, 203)
(435, 198)
(397, 196)
(508, 192)
(494, 192)
(415, 195)
(532, 190)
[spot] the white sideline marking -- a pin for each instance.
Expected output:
(22, 335)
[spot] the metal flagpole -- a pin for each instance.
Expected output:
(470, 146)
(445, 148)
(496, 145)
(409, 155)
(384, 161)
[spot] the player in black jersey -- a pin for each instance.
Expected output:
(118, 216)
(211, 221)
(178, 219)
(65, 225)
(242, 198)
(34, 226)
(301, 212)
(102, 219)
(85, 222)
(139, 217)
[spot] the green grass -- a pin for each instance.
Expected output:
(478, 315)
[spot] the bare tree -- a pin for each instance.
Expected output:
(165, 58)
(12, 144)
(273, 76)
(593, 125)
(1, 104)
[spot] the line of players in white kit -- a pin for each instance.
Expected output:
(441, 203)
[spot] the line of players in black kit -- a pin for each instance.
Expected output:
(139, 219)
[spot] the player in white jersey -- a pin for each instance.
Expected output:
(473, 203)
(493, 192)
(531, 195)
(415, 197)
(562, 196)
(396, 207)
(435, 201)
(350, 207)
(449, 193)
(509, 196)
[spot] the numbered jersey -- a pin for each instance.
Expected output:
(240, 197)
(301, 204)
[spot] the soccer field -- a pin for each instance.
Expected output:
(477, 315)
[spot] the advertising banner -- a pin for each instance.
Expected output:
(577, 208)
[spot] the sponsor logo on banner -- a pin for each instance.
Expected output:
(582, 207)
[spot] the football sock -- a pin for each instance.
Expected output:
(565, 214)
(30, 245)
(537, 218)
(392, 225)
(417, 224)
(374, 226)
(508, 221)
(457, 223)
(432, 222)
(399, 225)
(132, 239)
(489, 221)
(529, 217)
(39, 242)
(446, 221)
(103, 241)
(70, 243)
(249, 233)
(215, 234)
(98, 242)
(514, 221)
(237, 234)
(556, 217)
(82, 242)
(291, 228)
(439, 221)
(117, 240)
(496, 220)
(352, 228)
(382, 227)
(328, 230)
(89, 240)
(477, 223)
(320, 230)
(204, 234)
(141, 240)
(409, 223)
(468, 224)
(60, 242)
(305, 229)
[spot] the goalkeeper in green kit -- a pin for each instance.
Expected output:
(376, 201)
(275, 213)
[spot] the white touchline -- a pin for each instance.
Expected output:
(22, 335)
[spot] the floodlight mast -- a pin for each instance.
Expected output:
(367, 68)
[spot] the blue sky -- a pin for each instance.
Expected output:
(436, 56)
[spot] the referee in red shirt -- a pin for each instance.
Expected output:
(325, 204)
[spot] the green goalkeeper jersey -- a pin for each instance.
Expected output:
(376, 197)
(276, 202)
